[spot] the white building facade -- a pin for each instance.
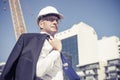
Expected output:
(109, 55)
(86, 42)
(92, 56)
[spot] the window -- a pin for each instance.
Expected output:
(70, 46)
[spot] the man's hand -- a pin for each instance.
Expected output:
(56, 44)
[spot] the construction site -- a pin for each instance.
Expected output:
(88, 57)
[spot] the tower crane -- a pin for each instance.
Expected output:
(17, 18)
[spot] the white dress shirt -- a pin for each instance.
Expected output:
(49, 65)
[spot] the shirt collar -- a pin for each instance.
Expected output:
(47, 34)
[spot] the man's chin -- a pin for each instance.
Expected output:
(53, 32)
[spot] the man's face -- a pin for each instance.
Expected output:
(49, 24)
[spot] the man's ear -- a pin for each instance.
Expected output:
(41, 23)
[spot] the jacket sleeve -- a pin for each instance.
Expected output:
(9, 69)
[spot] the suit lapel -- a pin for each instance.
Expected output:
(38, 44)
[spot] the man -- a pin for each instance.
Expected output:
(37, 56)
(49, 59)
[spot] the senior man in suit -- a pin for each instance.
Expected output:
(37, 56)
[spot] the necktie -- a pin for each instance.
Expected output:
(68, 70)
(47, 36)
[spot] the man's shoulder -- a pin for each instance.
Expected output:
(31, 34)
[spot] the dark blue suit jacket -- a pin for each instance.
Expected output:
(21, 64)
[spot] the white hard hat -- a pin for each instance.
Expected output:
(48, 10)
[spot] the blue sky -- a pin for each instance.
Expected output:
(102, 15)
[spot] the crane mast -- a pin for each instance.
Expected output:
(17, 18)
